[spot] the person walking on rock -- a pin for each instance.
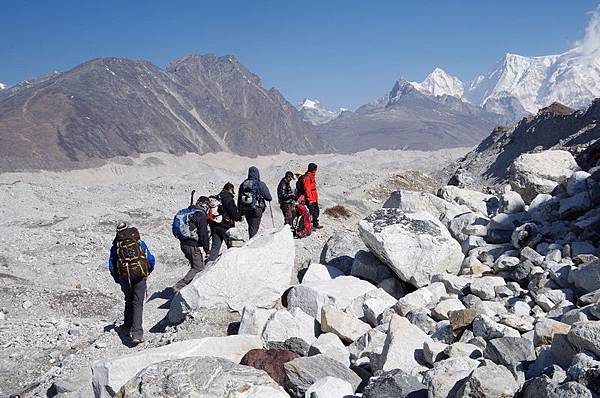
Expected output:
(195, 238)
(311, 194)
(229, 214)
(130, 263)
(251, 200)
(286, 197)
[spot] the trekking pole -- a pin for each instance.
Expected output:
(271, 210)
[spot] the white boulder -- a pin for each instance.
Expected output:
(330, 387)
(345, 326)
(415, 246)
(533, 173)
(284, 324)
(339, 292)
(256, 274)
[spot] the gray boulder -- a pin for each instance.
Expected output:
(367, 266)
(330, 387)
(201, 377)
(585, 336)
(587, 276)
(340, 249)
(301, 373)
(509, 351)
(544, 387)
(490, 381)
(447, 376)
(395, 384)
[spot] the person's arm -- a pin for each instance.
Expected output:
(239, 199)
(202, 229)
(264, 191)
(232, 209)
(281, 195)
(112, 262)
(149, 255)
(308, 192)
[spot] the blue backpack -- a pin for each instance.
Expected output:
(181, 224)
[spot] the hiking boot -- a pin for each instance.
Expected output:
(126, 330)
(317, 226)
(138, 340)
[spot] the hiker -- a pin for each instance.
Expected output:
(251, 200)
(191, 228)
(311, 194)
(226, 214)
(130, 263)
(286, 197)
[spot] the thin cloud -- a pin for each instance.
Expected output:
(591, 41)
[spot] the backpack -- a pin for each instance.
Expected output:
(215, 210)
(132, 264)
(181, 224)
(301, 226)
(300, 186)
(250, 195)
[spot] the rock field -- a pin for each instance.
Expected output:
(453, 294)
(59, 308)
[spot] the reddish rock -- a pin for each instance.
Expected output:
(271, 361)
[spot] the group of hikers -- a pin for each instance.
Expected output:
(131, 261)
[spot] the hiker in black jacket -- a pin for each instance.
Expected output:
(286, 196)
(251, 200)
(230, 214)
(191, 247)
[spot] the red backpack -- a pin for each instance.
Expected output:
(301, 225)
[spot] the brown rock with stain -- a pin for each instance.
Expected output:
(461, 319)
(271, 361)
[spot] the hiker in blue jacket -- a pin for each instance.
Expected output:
(251, 199)
(130, 263)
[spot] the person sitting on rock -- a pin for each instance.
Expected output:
(229, 214)
(130, 263)
(286, 196)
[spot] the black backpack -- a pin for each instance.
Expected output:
(251, 199)
(300, 186)
(132, 264)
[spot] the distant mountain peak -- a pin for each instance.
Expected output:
(2, 86)
(314, 113)
(439, 83)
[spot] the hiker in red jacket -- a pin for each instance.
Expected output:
(311, 194)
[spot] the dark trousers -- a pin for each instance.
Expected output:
(134, 307)
(314, 212)
(218, 236)
(253, 218)
(194, 256)
(288, 212)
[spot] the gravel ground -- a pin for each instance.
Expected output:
(59, 306)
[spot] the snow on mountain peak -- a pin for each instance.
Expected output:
(591, 41)
(2, 86)
(440, 83)
(313, 112)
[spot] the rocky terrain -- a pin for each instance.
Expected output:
(59, 309)
(555, 127)
(111, 107)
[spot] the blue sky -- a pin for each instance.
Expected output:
(344, 53)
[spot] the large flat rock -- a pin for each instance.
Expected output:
(255, 274)
(415, 246)
(110, 374)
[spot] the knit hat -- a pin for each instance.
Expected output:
(312, 167)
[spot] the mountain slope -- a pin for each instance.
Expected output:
(408, 119)
(556, 126)
(118, 107)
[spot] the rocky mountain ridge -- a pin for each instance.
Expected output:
(554, 127)
(408, 119)
(313, 112)
(118, 107)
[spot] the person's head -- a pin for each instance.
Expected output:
(289, 176)
(312, 167)
(229, 187)
(253, 173)
(202, 201)
(122, 226)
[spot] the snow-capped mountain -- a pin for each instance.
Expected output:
(440, 83)
(314, 113)
(571, 78)
(2, 86)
